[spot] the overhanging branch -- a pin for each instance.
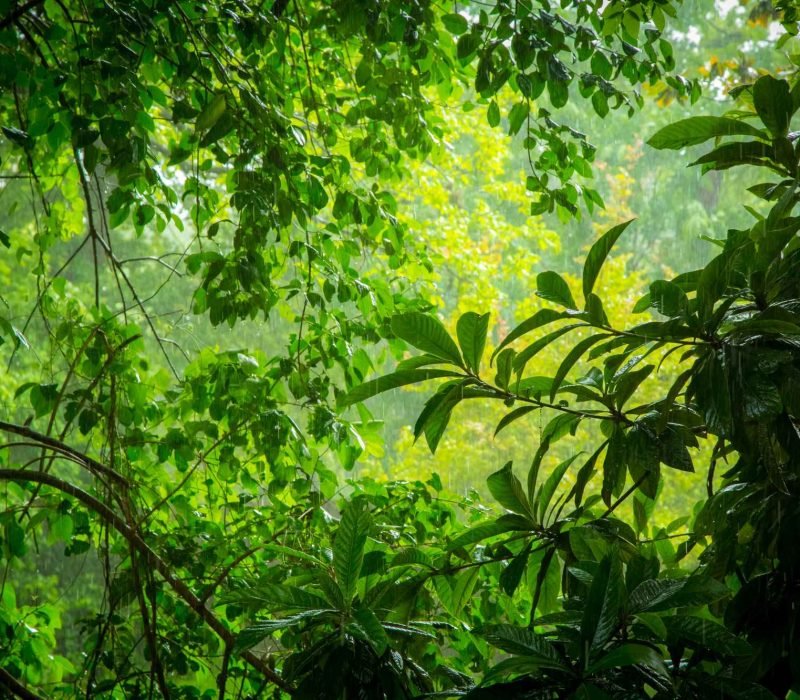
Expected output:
(152, 559)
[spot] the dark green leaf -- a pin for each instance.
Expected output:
(427, 334)
(372, 628)
(540, 318)
(483, 531)
(598, 254)
(695, 130)
(550, 485)
(701, 633)
(471, 330)
(603, 603)
(773, 102)
(572, 357)
(521, 641)
(348, 548)
(551, 286)
(508, 491)
(392, 381)
(511, 417)
(512, 574)
(630, 654)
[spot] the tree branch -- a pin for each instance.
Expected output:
(45, 440)
(152, 559)
(19, 11)
(15, 687)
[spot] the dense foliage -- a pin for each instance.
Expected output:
(184, 492)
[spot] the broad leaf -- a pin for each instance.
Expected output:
(701, 633)
(551, 286)
(540, 318)
(773, 102)
(550, 485)
(603, 602)
(631, 654)
(427, 334)
(471, 330)
(512, 574)
(597, 255)
(695, 130)
(509, 418)
(507, 490)
(348, 548)
(478, 533)
(392, 381)
(572, 357)
(255, 633)
(522, 642)
(537, 346)
(372, 629)
(653, 593)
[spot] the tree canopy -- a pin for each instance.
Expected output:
(228, 226)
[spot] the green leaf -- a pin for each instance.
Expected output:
(436, 415)
(517, 117)
(483, 531)
(603, 603)
(211, 114)
(392, 381)
(411, 556)
(471, 330)
(493, 114)
(572, 357)
(512, 574)
(540, 318)
(730, 155)
(695, 130)
(250, 636)
(522, 642)
(348, 548)
(551, 286)
(598, 254)
(653, 593)
(427, 334)
(668, 298)
(455, 23)
(505, 363)
(278, 597)
(773, 101)
(373, 630)
(550, 485)
(631, 654)
(701, 633)
(537, 346)
(512, 416)
(15, 538)
(418, 361)
(508, 492)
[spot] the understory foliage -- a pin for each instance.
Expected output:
(176, 518)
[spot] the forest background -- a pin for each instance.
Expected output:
(213, 218)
